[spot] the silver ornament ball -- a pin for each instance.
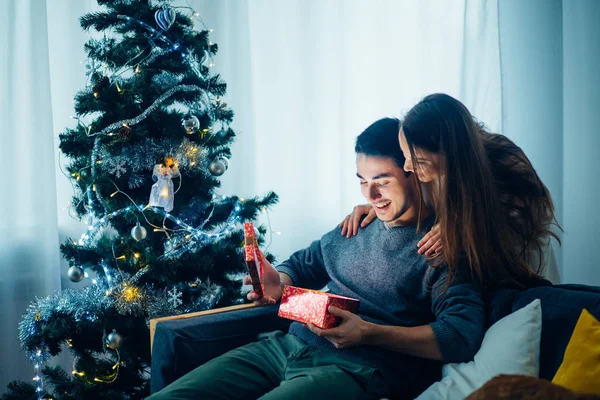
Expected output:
(191, 123)
(75, 273)
(218, 166)
(114, 340)
(138, 232)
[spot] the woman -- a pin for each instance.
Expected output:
(491, 207)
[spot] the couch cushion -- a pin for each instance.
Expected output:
(519, 387)
(510, 346)
(580, 370)
(182, 345)
(561, 308)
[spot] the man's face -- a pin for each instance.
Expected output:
(385, 186)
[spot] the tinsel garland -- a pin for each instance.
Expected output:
(82, 305)
(154, 106)
(142, 157)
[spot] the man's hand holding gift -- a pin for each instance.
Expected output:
(271, 283)
(352, 331)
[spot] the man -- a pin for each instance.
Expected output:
(409, 318)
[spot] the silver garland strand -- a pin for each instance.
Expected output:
(210, 294)
(154, 106)
(141, 158)
(161, 306)
(157, 52)
(126, 307)
(166, 79)
(83, 305)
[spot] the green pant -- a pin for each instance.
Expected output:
(279, 366)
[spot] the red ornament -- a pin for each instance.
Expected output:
(125, 132)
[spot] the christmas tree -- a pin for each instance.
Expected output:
(152, 138)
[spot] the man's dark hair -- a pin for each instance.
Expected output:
(380, 139)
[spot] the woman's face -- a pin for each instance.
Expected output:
(427, 163)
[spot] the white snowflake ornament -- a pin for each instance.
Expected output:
(118, 168)
(175, 297)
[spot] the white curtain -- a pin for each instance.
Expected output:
(28, 225)
(307, 76)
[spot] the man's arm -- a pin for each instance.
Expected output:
(417, 341)
(460, 314)
(353, 331)
(455, 335)
(305, 268)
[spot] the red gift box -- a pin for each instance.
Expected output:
(311, 306)
(252, 259)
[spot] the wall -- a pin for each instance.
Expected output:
(532, 90)
(581, 141)
(551, 94)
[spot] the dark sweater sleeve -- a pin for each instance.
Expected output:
(306, 267)
(460, 315)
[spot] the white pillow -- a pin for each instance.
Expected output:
(510, 346)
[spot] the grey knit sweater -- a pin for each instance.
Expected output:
(380, 267)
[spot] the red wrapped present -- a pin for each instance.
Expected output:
(311, 306)
(252, 257)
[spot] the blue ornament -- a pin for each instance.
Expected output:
(222, 133)
(165, 18)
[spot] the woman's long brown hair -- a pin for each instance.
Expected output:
(491, 206)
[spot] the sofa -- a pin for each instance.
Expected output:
(181, 343)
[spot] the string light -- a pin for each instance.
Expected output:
(105, 379)
(39, 384)
(173, 45)
(199, 236)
